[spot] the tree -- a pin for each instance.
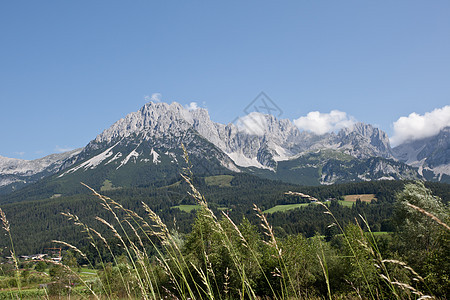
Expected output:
(422, 240)
(40, 266)
(416, 230)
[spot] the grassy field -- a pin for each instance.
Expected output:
(190, 207)
(346, 203)
(108, 186)
(31, 290)
(286, 207)
(219, 180)
(377, 233)
(363, 197)
(187, 207)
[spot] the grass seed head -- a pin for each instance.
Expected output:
(5, 223)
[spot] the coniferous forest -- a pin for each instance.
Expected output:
(219, 237)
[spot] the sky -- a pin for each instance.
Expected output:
(70, 69)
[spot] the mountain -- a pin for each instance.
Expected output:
(430, 155)
(262, 141)
(328, 166)
(145, 148)
(15, 173)
(364, 141)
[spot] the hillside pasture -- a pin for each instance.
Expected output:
(219, 180)
(285, 207)
(362, 197)
(187, 207)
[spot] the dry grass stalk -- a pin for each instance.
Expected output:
(127, 249)
(244, 241)
(7, 228)
(70, 246)
(407, 287)
(404, 265)
(205, 281)
(325, 273)
(116, 233)
(157, 220)
(106, 204)
(216, 224)
(268, 230)
(114, 257)
(226, 282)
(75, 273)
(328, 211)
(430, 215)
(5, 222)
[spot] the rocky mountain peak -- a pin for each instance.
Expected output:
(256, 139)
(431, 153)
(156, 131)
(152, 119)
(365, 140)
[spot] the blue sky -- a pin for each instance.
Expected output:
(69, 70)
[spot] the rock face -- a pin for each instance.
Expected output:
(15, 173)
(364, 141)
(256, 140)
(430, 155)
(153, 137)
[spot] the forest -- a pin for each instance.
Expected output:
(235, 194)
(141, 244)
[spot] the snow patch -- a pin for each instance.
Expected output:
(363, 177)
(441, 170)
(386, 178)
(6, 181)
(93, 162)
(133, 154)
(173, 156)
(117, 156)
(282, 154)
(155, 156)
(241, 160)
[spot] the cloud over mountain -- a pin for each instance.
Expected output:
(192, 106)
(253, 124)
(321, 123)
(415, 126)
(155, 97)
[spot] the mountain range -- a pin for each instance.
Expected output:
(145, 148)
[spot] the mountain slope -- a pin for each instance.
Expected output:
(430, 155)
(260, 141)
(328, 166)
(15, 173)
(144, 148)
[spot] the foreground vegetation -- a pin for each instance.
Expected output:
(44, 221)
(221, 259)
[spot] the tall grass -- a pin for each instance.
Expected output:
(7, 228)
(230, 262)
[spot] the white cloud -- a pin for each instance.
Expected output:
(321, 123)
(155, 97)
(415, 126)
(192, 106)
(253, 123)
(19, 153)
(62, 149)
